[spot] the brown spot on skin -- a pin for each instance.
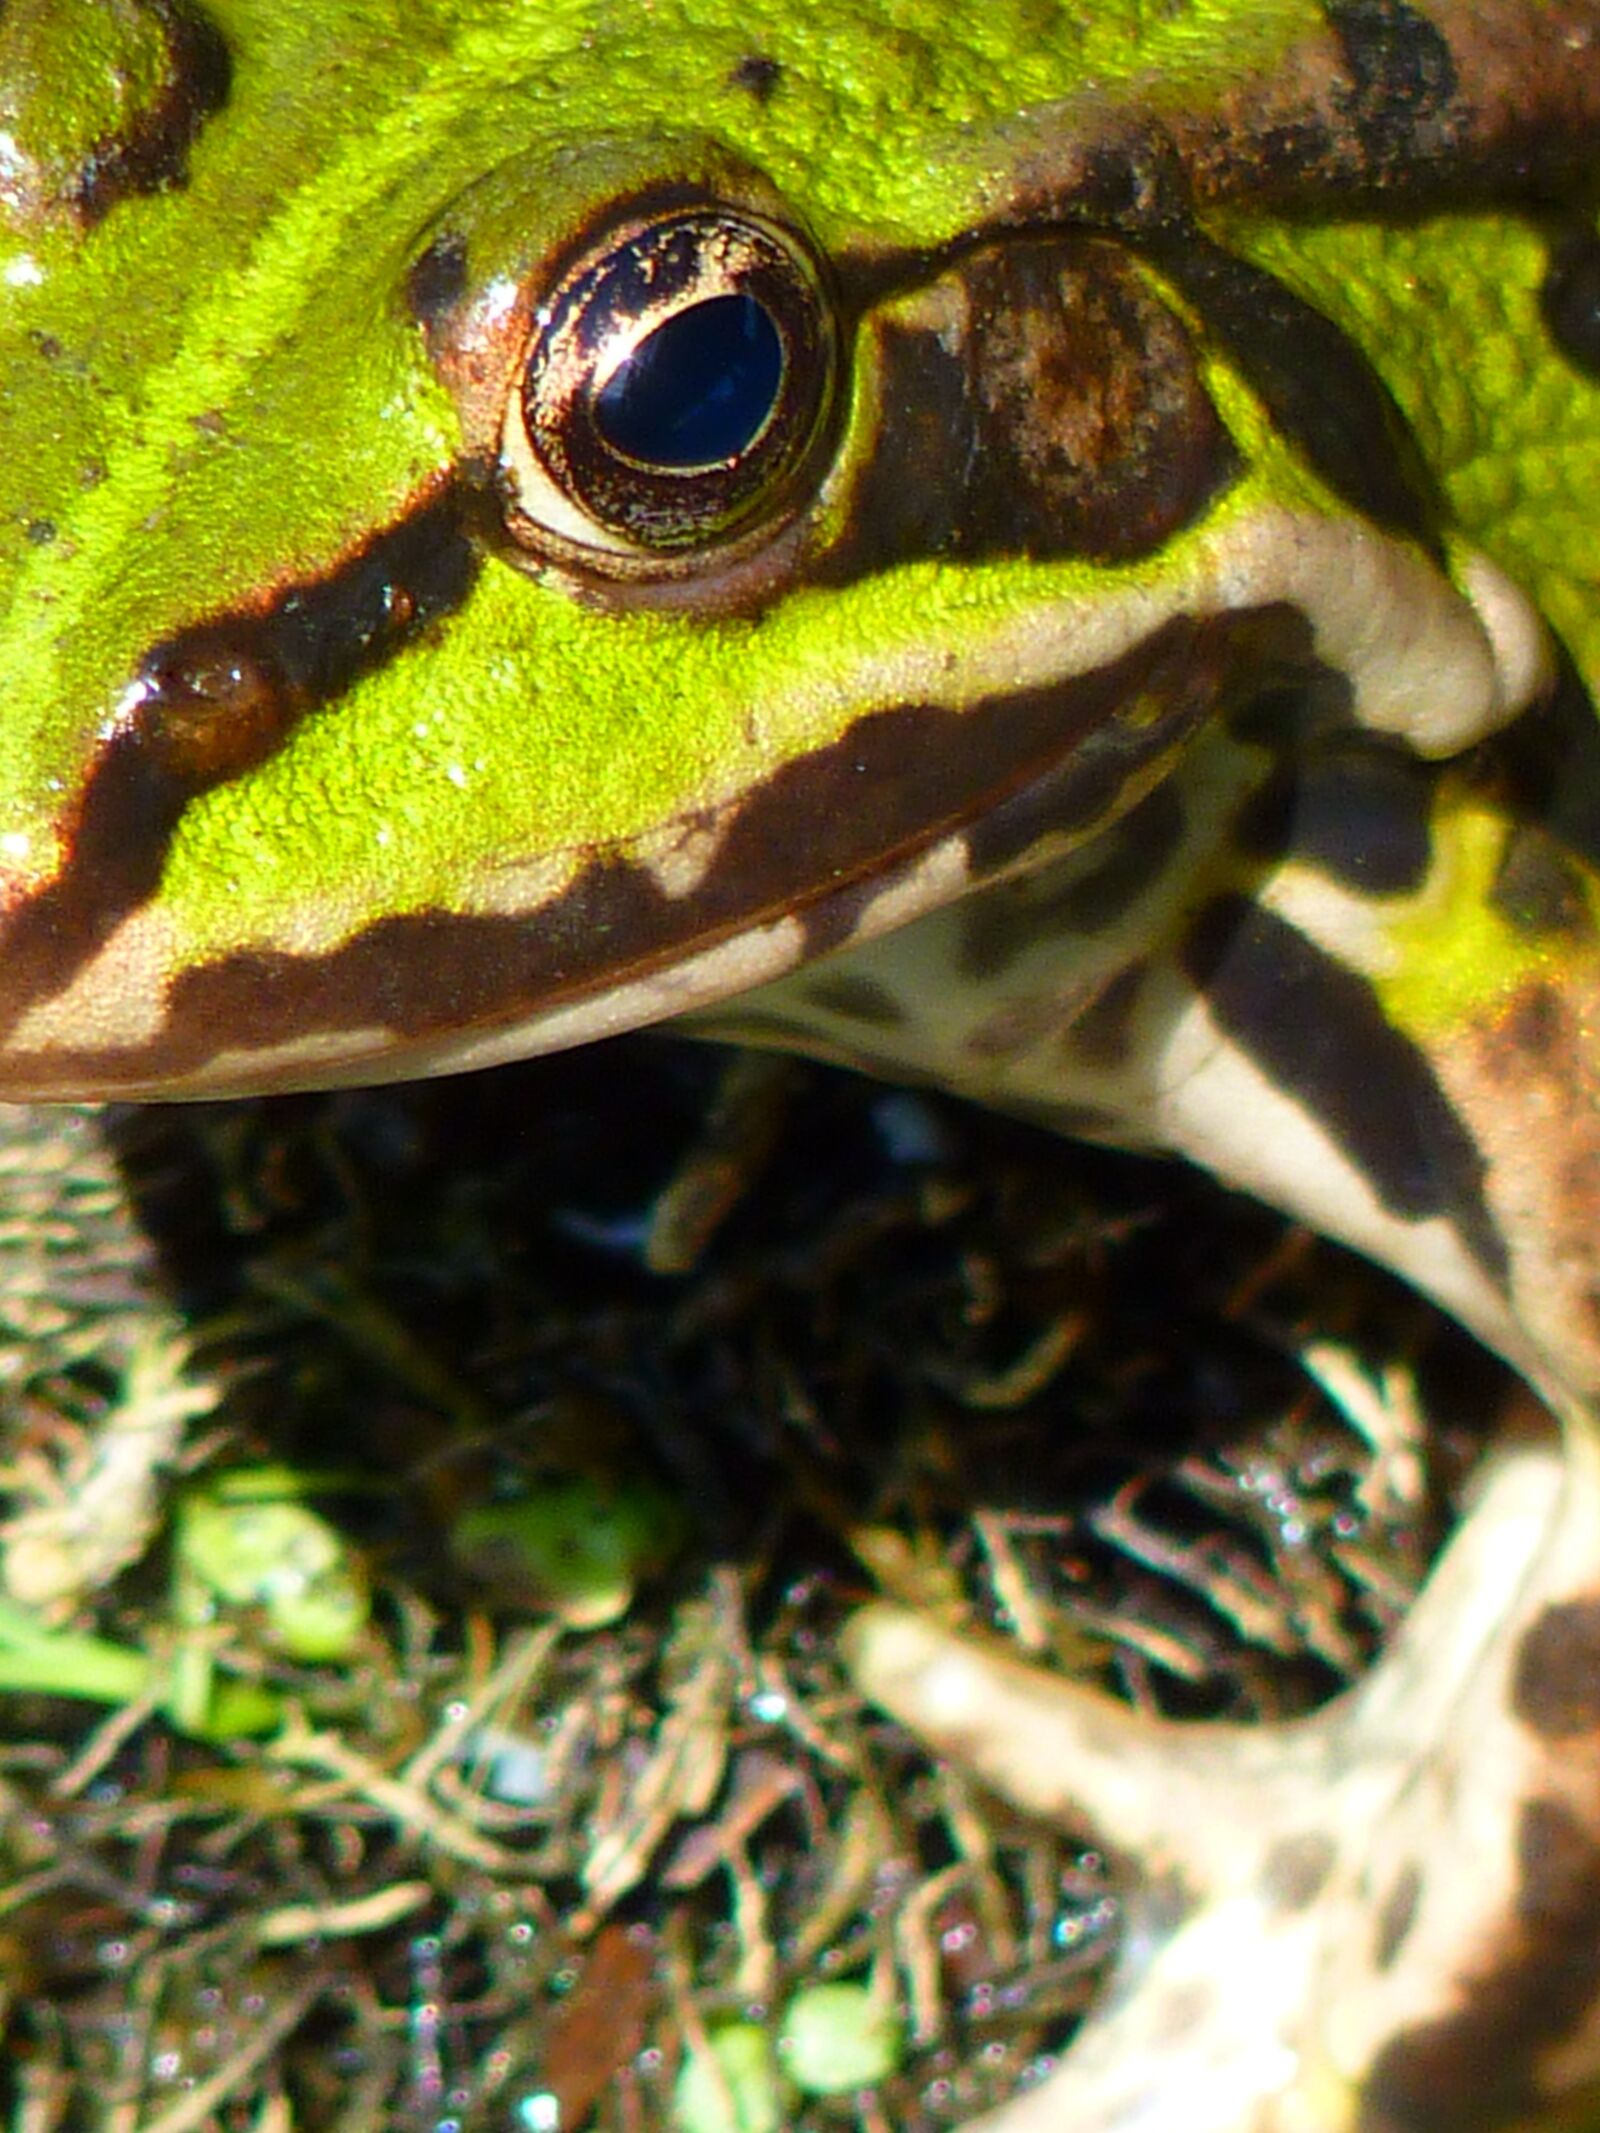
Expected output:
(1296, 1871)
(1397, 1915)
(1533, 1029)
(1526, 1078)
(1538, 887)
(1555, 1686)
(1093, 430)
(1476, 2068)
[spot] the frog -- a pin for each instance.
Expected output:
(1049, 551)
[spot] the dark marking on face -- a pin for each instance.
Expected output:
(1134, 856)
(1051, 405)
(1316, 1030)
(1555, 1684)
(1404, 108)
(1534, 1983)
(1296, 1871)
(1382, 107)
(1191, 681)
(222, 697)
(152, 155)
(851, 998)
(1397, 1914)
(1402, 84)
(1358, 814)
(759, 75)
(1125, 175)
(152, 124)
(1293, 710)
(1126, 863)
(1570, 299)
(438, 280)
(218, 700)
(1534, 1033)
(1109, 727)
(1321, 390)
(1538, 887)
(1093, 432)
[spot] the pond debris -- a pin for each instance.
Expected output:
(499, 1863)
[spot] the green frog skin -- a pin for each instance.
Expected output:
(1048, 549)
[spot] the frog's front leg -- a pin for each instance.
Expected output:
(1386, 1916)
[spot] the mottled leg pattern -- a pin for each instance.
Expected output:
(1385, 1917)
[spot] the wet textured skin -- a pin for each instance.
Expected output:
(1141, 673)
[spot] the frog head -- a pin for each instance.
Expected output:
(634, 512)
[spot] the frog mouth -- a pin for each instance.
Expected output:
(911, 794)
(915, 804)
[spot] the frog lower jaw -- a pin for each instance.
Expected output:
(139, 960)
(1386, 1912)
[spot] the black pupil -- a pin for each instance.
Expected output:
(698, 390)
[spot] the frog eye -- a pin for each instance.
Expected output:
(677, 376)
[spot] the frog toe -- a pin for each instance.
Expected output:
(1385, 1915)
